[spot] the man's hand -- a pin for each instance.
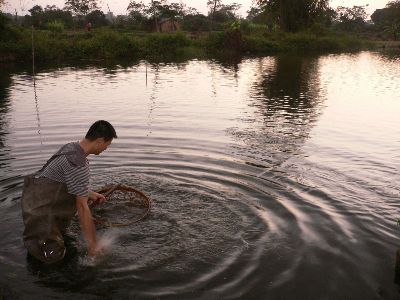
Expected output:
(96, 197)
(95, 250)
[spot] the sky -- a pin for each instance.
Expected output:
(119, 6)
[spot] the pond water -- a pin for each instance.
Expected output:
(273, 177)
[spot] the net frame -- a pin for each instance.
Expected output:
(108, 191)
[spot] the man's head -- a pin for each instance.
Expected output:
(100, 136)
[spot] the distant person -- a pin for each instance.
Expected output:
(88, 26)
(52, 196)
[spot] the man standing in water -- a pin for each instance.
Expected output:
(53, 195)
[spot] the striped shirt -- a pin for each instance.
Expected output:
(70, 166)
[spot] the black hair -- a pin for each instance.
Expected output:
(101, 129)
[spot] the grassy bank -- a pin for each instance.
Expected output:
(16, 44)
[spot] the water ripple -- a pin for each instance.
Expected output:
(266, 176)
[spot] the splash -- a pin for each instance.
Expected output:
(105, 244)
(107, 240)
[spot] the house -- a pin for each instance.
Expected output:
(110, 17)
(167, 25)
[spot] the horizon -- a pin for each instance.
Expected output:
(118, 7)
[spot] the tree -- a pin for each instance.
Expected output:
(155, 11)
(388, 16)
(393, 30)
(393, 4)
(212, 6)
(36, 10)
(351, 19)
(222, 13)
(81, 7)
(137, 11)
(2, 3)
(97, 18)
(40, 17)
(159, 9)
(121, 21)
(53, 13)
(174, 11)
(227, 13)
(196, 22)
(261, 16)
(36, 15)
(254, 13)
(3, 20)
(293, 15)
(352, 14)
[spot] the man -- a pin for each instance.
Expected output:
(88, 26)
(53, 195)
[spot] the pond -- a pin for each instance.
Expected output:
(274, 177)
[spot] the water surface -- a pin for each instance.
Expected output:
(273, 177)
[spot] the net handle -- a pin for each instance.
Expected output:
(111, 190)
(108, 191)
(106, 194)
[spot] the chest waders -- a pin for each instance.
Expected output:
(47, 210)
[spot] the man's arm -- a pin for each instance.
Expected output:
(87, 225)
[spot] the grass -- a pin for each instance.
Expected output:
(104, 43)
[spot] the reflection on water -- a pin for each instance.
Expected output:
(5, 107)
(5, 82)
(291, 84)
(268, 176)
(37, 109)
(287, 97)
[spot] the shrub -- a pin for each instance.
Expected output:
(55, 26)
(10, 33)
(3, 22)
(231, 40)
(165, 44)
(300, 41)
(214, 41)
(250, 28)
(259, 45)
(109, 44)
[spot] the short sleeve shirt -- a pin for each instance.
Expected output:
(70, 166)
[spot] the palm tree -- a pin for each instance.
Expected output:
(393, 30)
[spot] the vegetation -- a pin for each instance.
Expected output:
(296, 15)
(271, 26)
(81, 7)
(388, 19)
(55, 26)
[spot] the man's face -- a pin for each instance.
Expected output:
(101, 145)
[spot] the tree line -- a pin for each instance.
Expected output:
(285, 15)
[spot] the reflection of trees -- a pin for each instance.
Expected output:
(291, 88)
(5, 82)
(286, 101)
(227, 67)
(390, 55)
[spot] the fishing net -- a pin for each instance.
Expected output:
(124, 206)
